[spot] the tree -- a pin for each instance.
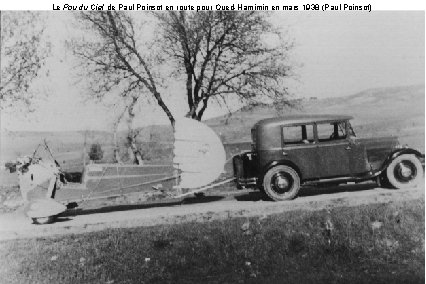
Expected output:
(96, 153)
(226, 54)
(221, 54)
(116, 59)
(23, 54)
(131, 133)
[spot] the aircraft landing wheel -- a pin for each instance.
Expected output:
(43, 220)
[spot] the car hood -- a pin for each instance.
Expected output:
(380, 142)
(379, 148)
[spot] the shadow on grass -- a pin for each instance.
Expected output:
(62, 219)
(252, 196)
(73, 211)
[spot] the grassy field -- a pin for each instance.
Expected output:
(377, 243)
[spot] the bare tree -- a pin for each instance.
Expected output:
(224, 54)
(116, 61)
(22, 55)
(221, 54)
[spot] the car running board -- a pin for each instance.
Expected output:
(368, 176)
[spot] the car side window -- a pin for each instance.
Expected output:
(298, 134)
(331, 131)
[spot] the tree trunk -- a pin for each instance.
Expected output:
(117, 158)
(164, 107)
(201, 112)
(137, 156)
(131, 136)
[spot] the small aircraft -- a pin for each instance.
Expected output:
(198, 160)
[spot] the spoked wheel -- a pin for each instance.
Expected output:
(281, 183)
(405, 171)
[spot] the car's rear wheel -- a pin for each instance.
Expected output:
(405, 171)
(281, 183)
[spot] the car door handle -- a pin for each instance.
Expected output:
(348, 148)
(284, 153)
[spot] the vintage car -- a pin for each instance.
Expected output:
(320, 149)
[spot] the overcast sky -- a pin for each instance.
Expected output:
(336, 54)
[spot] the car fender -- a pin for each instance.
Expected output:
(278, 163)
(398, 152)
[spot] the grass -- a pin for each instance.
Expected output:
(378, 243)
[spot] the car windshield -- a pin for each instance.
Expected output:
(331, 131)
(351, 131)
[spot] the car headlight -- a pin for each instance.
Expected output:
(399, 146)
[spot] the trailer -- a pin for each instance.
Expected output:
(198, 160)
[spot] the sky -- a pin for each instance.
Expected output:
(335, 54)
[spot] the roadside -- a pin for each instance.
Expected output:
(323, 238)
(211, 207)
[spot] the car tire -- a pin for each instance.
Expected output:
(281, 183)
(405, 171)
(383, 180)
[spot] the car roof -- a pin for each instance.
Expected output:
(302, 119)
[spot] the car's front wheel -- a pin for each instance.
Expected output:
(405, 171)
(281, 183)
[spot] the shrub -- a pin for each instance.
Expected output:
(96, 153)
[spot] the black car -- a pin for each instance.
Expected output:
(312, 149)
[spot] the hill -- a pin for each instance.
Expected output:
(395, 111)
(377, 112)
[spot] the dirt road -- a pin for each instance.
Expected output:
(211, 207)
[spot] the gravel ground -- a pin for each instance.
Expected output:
(203, 209)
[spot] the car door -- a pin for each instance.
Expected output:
(333, 152)
(299, 147)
